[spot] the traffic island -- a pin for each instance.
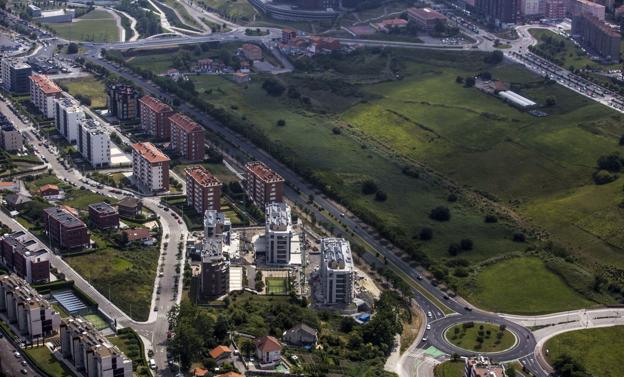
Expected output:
(480, 337)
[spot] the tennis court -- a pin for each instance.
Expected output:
(276, 285)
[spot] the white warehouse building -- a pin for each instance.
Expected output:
(516, 99)
(94, 143)
(337, 273)
(278, 233)
(68, 114)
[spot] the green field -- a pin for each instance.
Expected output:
(95, 26)
(276, 286)
(492, 338)
(47, 362)
(497, 289)
(450, 369)
(351, 120)
(599, 351)
(126, 275)
(237, 10)
(89, 87)
(80, 199)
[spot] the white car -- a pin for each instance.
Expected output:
(428, 327)
(152, 364)
(429, 314)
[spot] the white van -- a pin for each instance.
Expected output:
(152, 364)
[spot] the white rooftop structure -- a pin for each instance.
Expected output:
(336, 253)
(516, 99)
(278, 217)
(278, 233)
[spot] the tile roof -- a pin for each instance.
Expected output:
(47, 187)
(263, 172)
(268, 344)
(154, 104)
(218, 351)
(202, 176)
(150, 152)
(230, 374)
(184, 122)
(45, 84)
(137, 234)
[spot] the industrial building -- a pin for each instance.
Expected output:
(425, 18)
(516, 99)
(336, 271)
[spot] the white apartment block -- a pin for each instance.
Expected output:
(28, 310)
(68, 114)
(531, 7)
(43, 92)
(336, 271)
(215, 224)
(150, 167)
(94, 143)
(278, 233)
(91, 353)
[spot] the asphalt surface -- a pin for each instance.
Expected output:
(10, 365)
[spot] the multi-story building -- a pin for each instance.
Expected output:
(68, 115)
(425, 18)
(94, 143)
(103, 215)
(278, 233)
(122, 101)
(598, 36)
(531, 8)
(580, 7)
(22, 254)
(15, 75)
(555, 9)
(499, 11)
(216, 225)
(203, 190)
(129, 206)
(336, 271)
(481, 366)
(64, 229)
(10, 138)
(187, 138)
(155, 117)
(43, 91)
(263, 185)
(90, 352)
(215, 269)
(150, 167)
(32, 314)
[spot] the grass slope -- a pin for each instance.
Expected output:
(450, 369)
(47, 362)
(95, 26)
(87, 86)
(540, 291)
(600, 351)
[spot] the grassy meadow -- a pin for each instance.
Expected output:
(89, 87)
(95, 26)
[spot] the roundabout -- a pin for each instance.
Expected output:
(514, 343)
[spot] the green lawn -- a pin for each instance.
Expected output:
(492, 338)
(89, 87)
(498, 288)
(237, 10)
(80, 199)
(599, 351)
(450, 369)
(95, 26)
(47, 362)
(126, 275)
(277, 286)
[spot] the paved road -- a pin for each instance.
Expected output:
(10, 365)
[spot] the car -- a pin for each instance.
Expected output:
(468, 308)
(419, 277)
(428, 327)
(429, 314)
(446, 297)
(152, 364)
(17, 354)
(424, 339)
(24, 363)
(24, 371)
(155, 308)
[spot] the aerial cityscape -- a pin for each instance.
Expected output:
(323, 188)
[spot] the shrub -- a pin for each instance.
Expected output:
(281, 123)
(336, 131)
(410, 171)
(602, 177)
(611, 162)
(369, 187)
(491, 219)
(440, 213)
(519, 237)
(273, 87)
(72, 48)
(454, 249)
(622, 140)
(381, 196)
(466, 244)
(452, 198)
(425, 234)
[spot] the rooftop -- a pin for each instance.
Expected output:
(22, 243)
(129, 201)
(45, 84)
(426, 13)
(268, 344)
(137, 234)
(278, 216)
(23, 291)
(17, 63)
(103, 208)
(93, 127)
(184, 122)
(218, 351)
(64, 217)
(149, 152)
(91, 338)
(202, 176)
(263, 172)
(154, 104)
(336, 253)
(70, 104)
(48, 187)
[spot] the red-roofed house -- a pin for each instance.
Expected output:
(150, 167)
(139, 235)
(251, 51)
(268, 350)
(51, 192)
(155, 117)
(199, 372)
(324, 44)
(230, 374)
(9, 186)
(187, 137)
(390, 24)
(220, 353)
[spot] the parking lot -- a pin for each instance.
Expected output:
(10, 365)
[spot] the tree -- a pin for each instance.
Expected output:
(381, 196)
(491, 219)
(425, 234)
(369, 187)
(469, 82)
(72, 48)
(622, 140)
(551, 101)
(519, 237)
(494, 57)
(510, 372)
(347, 324)
(459, 80)
(273, 87)
(611, 162)
(454, 249)
(247, 347)
(466, 244)
(281, 123)
(440, 213)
